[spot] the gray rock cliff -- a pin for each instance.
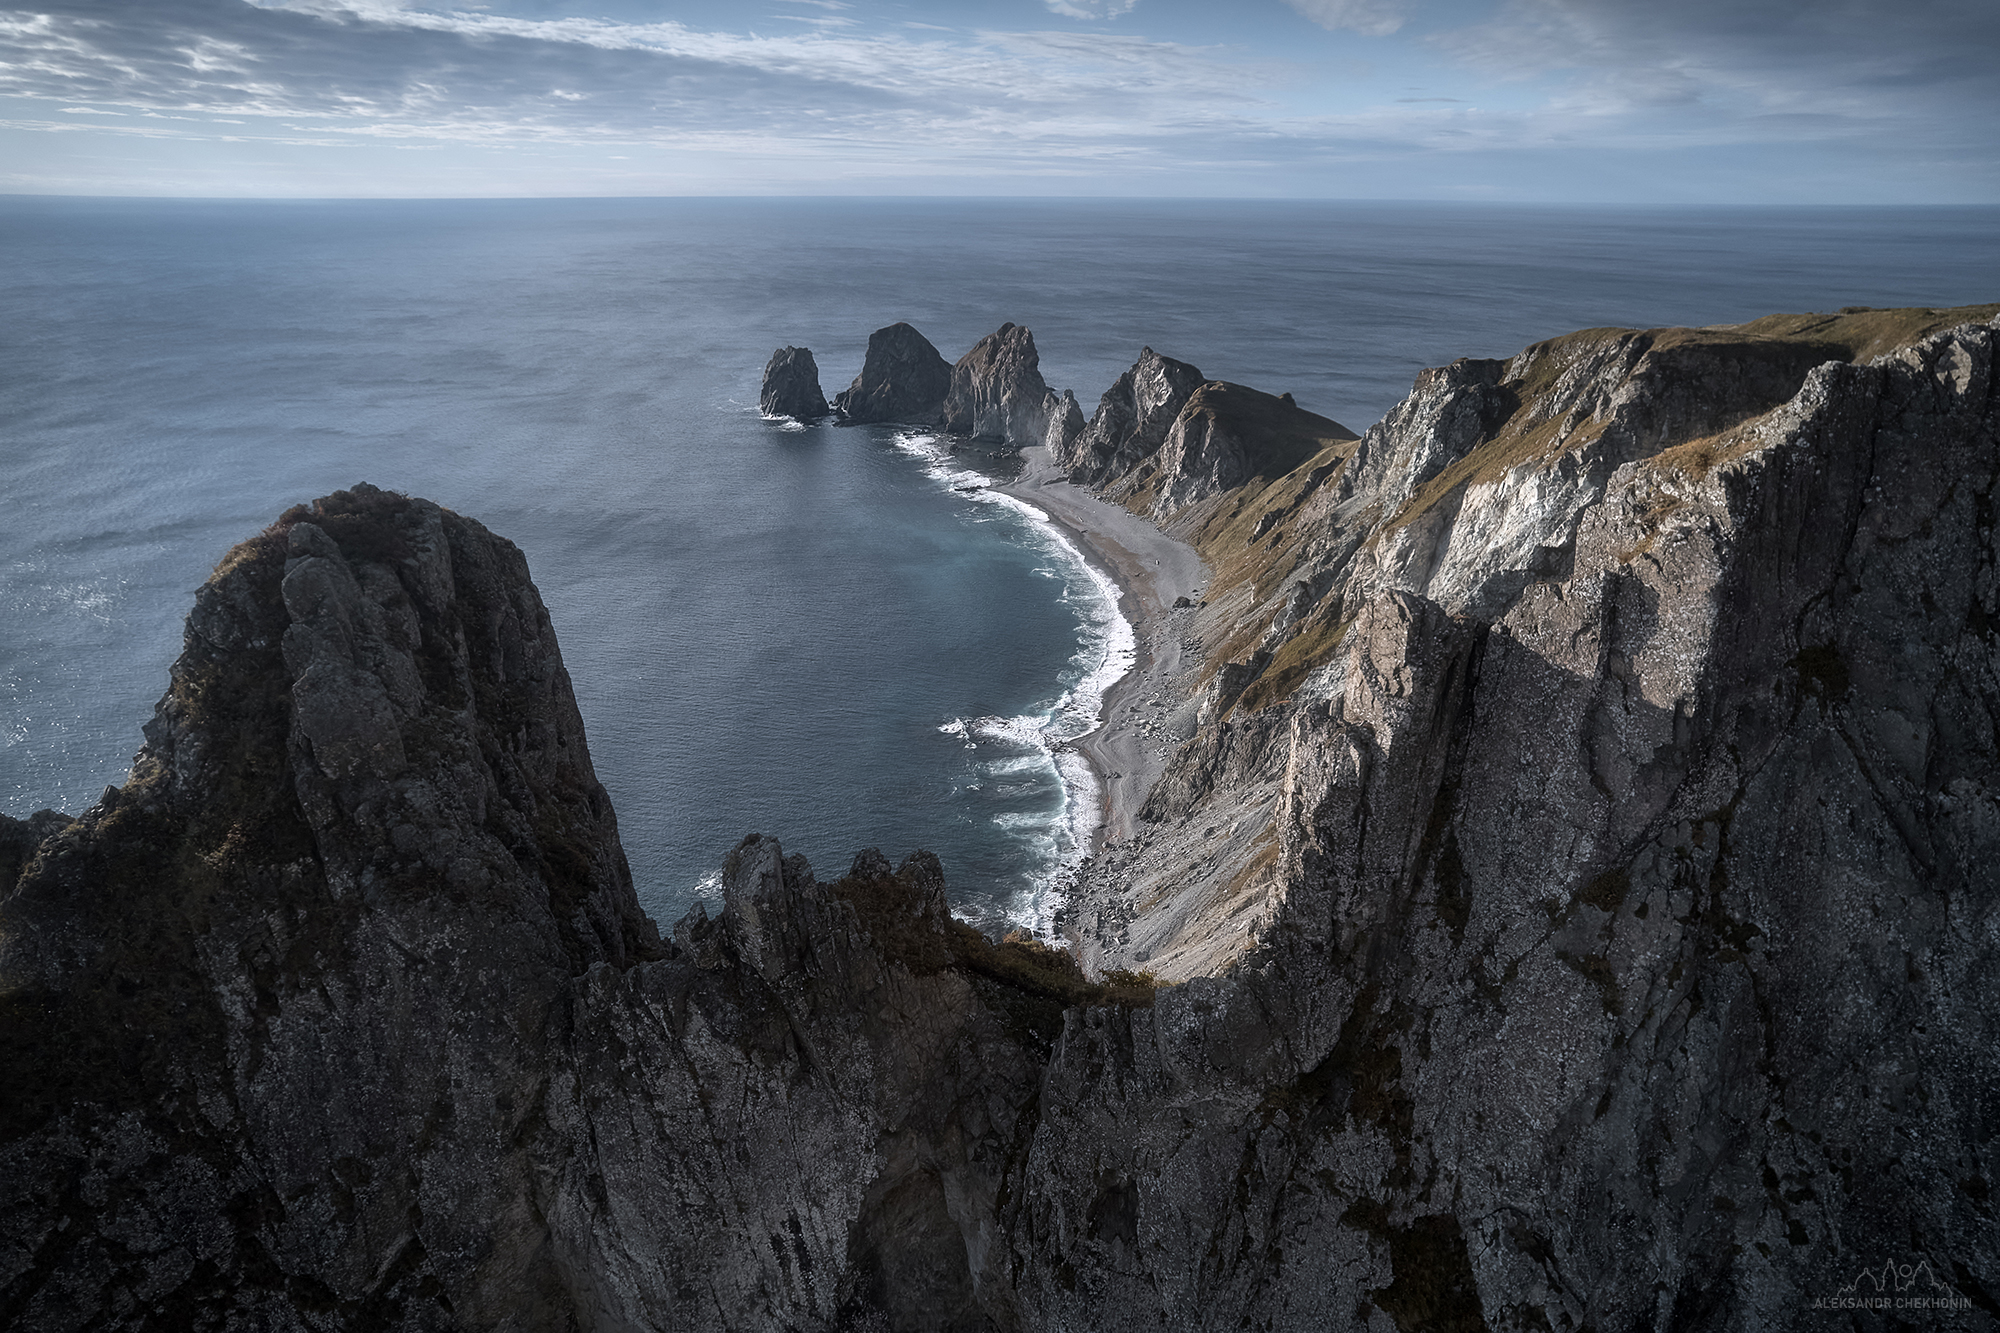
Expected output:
(1579, 899)
(791, 386)
(902, 379)
(1132, 419)
(997, 391)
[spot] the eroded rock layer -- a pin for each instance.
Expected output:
(1580, 885)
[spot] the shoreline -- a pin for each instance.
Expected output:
(1150, 570)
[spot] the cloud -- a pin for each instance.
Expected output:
(1884, 60)
(375, 69)
(1091, 9)
(1371, 18)
(900, 104)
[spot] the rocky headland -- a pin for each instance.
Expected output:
(1567, 900)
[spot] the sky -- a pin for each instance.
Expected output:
(1556, 101)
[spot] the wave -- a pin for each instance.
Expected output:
(1107, 649)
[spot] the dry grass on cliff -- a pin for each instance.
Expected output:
(1862, 334)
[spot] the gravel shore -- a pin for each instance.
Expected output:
(1152, 570)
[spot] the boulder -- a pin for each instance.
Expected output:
(791, 386)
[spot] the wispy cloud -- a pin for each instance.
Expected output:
(1091, 9)
(831, 95)
(1374, 18)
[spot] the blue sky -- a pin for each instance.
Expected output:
(1675, 101)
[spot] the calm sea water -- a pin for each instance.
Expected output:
(808, 633)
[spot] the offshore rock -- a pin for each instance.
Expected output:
(1132, 420)
(791, 386)
(997, 391)
(902, 379)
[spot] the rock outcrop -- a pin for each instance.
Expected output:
(791, 386)
(997, 392)
(1580, 890)
(1066, 423)
(1225, 434)
(902, 380)
(1132, 419)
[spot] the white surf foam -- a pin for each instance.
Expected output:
(1107, 648)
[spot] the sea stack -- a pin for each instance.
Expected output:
(997, 390)
(791, 386)
(902, 379)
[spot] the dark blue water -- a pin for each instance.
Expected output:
(806, 633)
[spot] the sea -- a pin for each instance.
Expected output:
(831, 635)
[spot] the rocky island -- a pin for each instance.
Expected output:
(1567, 896)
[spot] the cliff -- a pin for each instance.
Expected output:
(1577, 881)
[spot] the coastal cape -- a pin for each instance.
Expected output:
(1573, 862)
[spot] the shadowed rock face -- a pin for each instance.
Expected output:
(997, 391)
(1623, 956)
(1225, 434)
(902, 379)
(791, 386)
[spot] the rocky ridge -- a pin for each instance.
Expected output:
(1579, 883)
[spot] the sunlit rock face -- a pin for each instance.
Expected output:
(1132, 420)
(997, 391)
(1579, 888)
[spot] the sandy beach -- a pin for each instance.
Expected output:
(1151, 570)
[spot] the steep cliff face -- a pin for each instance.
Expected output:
(997, 391)
(1132, 420)
(1581, 888)
(275, 1011)
(1626, 714)
(342, 1014)
(902, 379)
(791, 386)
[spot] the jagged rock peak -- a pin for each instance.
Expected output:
(997, 391)
(791, 386)
(1132, 419)
(902, 379)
